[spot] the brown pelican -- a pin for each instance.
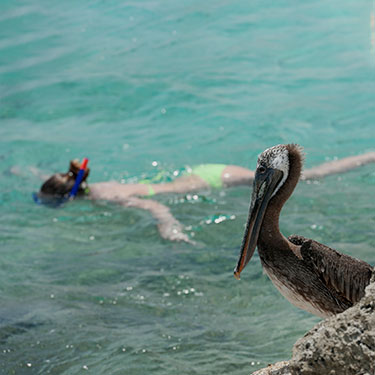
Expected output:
(310, 275)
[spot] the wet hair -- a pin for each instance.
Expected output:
(60, 184)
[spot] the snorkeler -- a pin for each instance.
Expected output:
(58, 188)
(62, 187)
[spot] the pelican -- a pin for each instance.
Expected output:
(308, 274)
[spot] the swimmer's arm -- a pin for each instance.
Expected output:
(38, 173)
(168, 226)
(20, 172)
(339, 166)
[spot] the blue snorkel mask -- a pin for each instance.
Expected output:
(53, 201)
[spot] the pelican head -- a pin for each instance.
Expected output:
(270, 175)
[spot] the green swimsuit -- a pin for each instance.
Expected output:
(210, 173)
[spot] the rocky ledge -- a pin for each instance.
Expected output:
(341, 345)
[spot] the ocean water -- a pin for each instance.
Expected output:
(141, 87)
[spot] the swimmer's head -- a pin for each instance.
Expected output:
(60, 185)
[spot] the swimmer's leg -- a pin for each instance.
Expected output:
(184, 184)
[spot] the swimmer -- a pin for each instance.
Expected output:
(202, 177)
(58, 189)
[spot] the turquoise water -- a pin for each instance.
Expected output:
(92, 288)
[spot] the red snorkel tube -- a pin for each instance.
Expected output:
(79, 179)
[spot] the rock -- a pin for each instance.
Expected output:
(341, 345)
(279, 368)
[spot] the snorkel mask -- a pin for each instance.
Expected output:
(53, 201)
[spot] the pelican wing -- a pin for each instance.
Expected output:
(347, 276)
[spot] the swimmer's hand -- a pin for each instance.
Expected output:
(172, 230)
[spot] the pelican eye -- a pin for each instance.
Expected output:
(262, 169)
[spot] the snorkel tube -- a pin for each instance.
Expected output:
(79, 178)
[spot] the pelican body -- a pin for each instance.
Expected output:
(310, 275)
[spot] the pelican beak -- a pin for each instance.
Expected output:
(265, 183)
